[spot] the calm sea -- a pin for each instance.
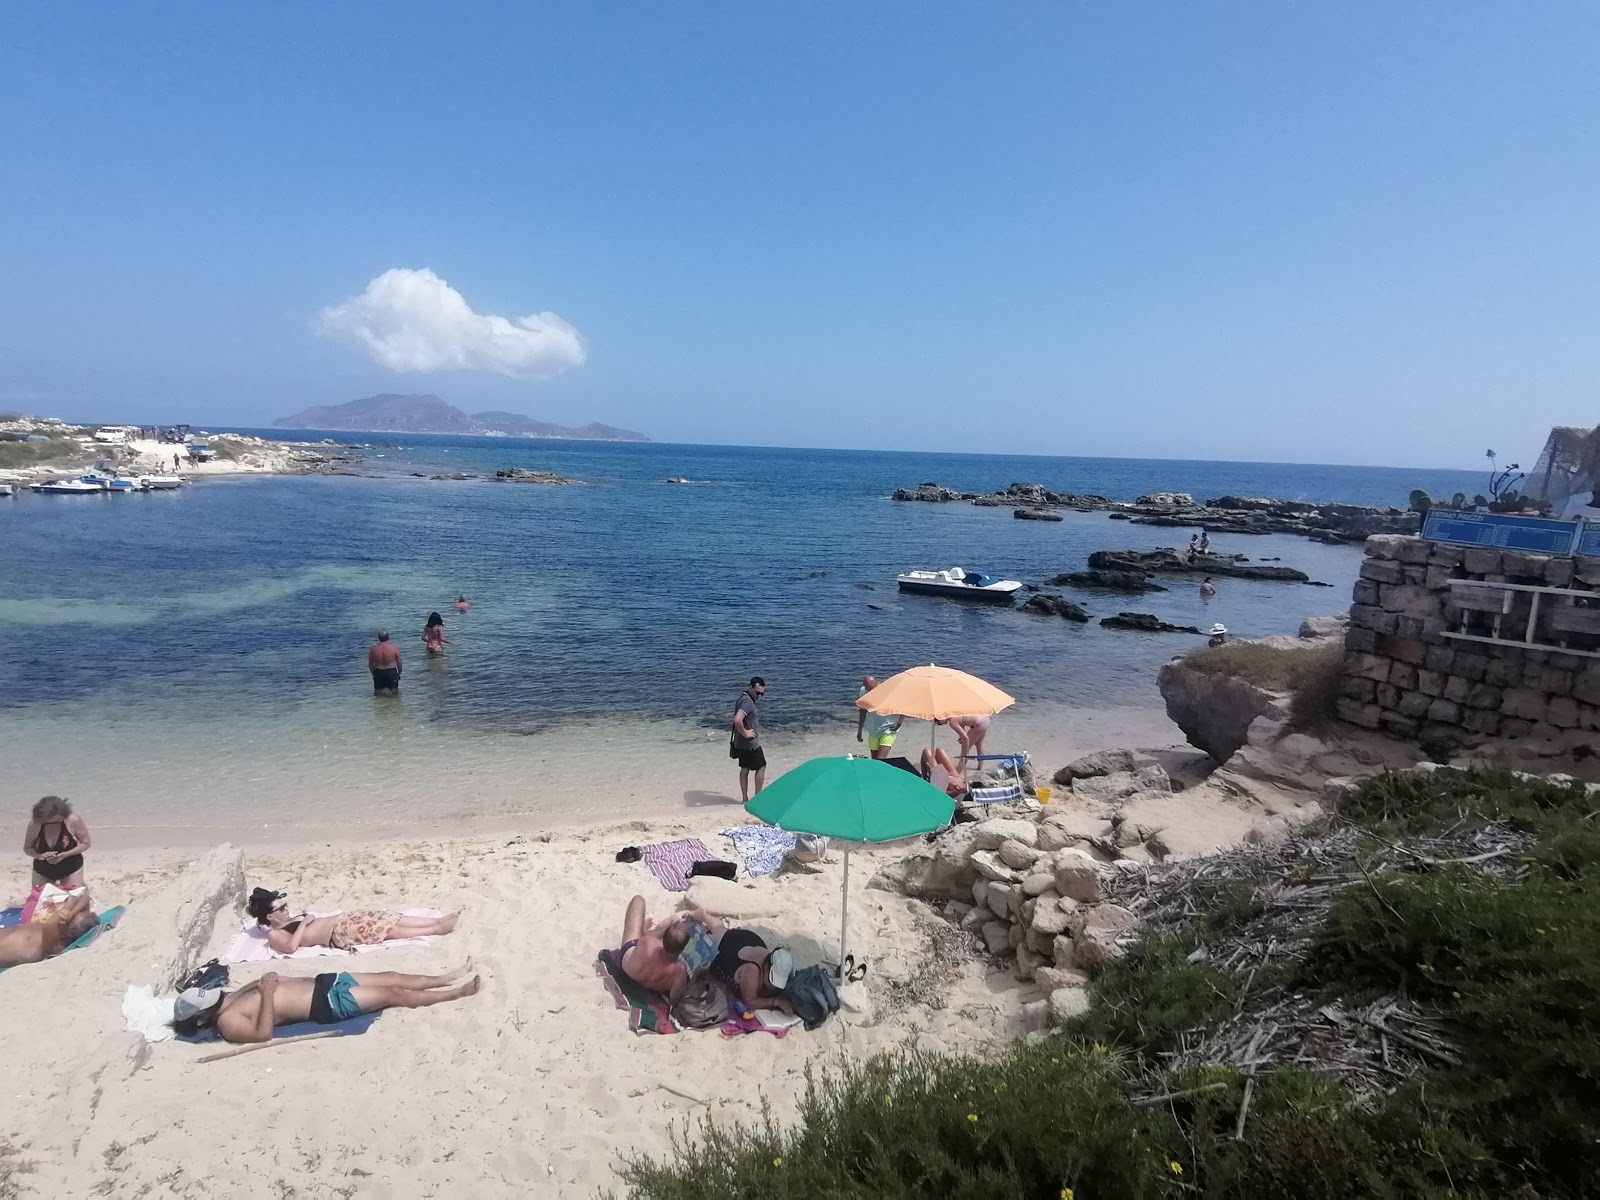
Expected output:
(231, 618)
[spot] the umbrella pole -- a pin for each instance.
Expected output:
(844, 921)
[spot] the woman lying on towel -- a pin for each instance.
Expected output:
(342, 931)
(251, 1013)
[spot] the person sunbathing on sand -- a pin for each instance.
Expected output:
(939, 770)
(251, 1013)
(650, 952)
(342, 931)
(47, 934)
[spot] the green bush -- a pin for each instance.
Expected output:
(35, 454)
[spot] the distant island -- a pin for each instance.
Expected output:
(391, 413)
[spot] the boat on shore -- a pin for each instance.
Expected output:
(959, 584)
(160, 483)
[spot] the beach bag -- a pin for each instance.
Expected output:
(704, 1003)
(212, 975)
(813, 995)
(808, 848)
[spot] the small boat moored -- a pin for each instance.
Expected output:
(160, 483)
(8, 489)
(959, 584)
(68, 487)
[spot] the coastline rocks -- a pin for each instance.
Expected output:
(1036, 514)
(1213, 710)
(522, 475)
(453, 475)
(1107, 581)
(1049, 605)
(1166, 500)
(1144, 623)
(1169, 561)
(931, 493)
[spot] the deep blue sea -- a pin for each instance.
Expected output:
(622, 597)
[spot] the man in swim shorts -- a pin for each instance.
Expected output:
(879, 728)
(745, 743)
(383, 660)
(651, 949)
(41, 937)
(255, 1010)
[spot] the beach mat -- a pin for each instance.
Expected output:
(349, 1027)
(647, 1010)
(761, 847)
(10, 917)
(669, 862)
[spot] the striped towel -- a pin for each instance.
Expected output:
(762, 847)
(670, 861)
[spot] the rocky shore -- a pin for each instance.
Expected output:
(1335, 523)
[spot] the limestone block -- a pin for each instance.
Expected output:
(1409, 600)
(1361, 640)
(1357, 689)
(1063, 952)
(1413, 550)
(1479, 561)
(1387, 695)
(1431, 683)
(1524, 703)
(1018, 856)
(1586, 570)
(1041, 944)
(1051, 978)
(1413, 574)
(1503, 672)
(1438, 578)
(1528, 568)
(1015, 934)
(1399, 726)
(1471, 666)
(1445, 712)
(1512, 727)
(1050, 919)
(170, 931)
(1403, 676)
(1103, 762)
(1090, 953)
(1367, 666)
(1457, 688)
(1444, 556)
(1439, 658)
(1067, 1004)
(1409, 651)
(975, 920)
(1586, 685)
(1380, 571)
(1409, 629)
(1484, 695)
(1365, 592)
(997, 937)
(1102, 918)
(1414, 704)
(1588, 716)
(1481, 720)
(1078, 880)
(1029, 961)
(1563, 713)
(1078, 822)
(991, 868)
(980, 893)
(1365, 715)
(1000, 895)
(1559, 572)
(1384, 545)
(1039, 883)
(993, 833)
(1555, 682)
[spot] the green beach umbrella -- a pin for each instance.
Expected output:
(854, 800)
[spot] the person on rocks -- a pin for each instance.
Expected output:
(251, 1013)
(383, 660)
(879, 728)
(1205, 542)
(745, 743)
(1194, 546)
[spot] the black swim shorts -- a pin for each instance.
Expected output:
(386, 679)
(753, 759)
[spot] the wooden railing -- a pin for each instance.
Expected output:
(1567, 613)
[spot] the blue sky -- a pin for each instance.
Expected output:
(1362, 232)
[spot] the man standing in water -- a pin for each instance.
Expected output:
(383, 660)
(745, 744)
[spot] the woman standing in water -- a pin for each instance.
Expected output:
(433, 638)
(55, 841)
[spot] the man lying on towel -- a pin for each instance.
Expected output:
(650, 952)
(48, 933)
(251, 1013)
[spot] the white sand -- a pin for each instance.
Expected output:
(533, 1087)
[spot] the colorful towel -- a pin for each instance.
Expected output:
(647, 1011)
(106, 920)
(669, 862)
(47, 896)
(762, 847)
(251, 944)
(10, 917)
(751, 1024)
(349, 1027)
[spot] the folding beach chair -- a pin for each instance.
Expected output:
(1010, 787)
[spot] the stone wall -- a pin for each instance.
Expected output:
(1402, 675)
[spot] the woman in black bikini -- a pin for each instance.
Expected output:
(56, 840)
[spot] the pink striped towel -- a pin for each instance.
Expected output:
(670, 861)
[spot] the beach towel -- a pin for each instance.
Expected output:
(647, 1010)
(10, 917)
(669, 862)
(46, 896)
(761, 847)
(148, 1014)
(349, 1027)
(251, 944)
(753, 1024)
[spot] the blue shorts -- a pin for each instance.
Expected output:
(331, 1001)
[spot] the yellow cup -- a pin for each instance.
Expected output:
(1043, 794)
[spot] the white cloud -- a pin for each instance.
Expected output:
(412, 320)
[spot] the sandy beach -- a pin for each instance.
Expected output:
(533, 1087)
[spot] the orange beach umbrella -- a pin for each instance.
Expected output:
(935, 694)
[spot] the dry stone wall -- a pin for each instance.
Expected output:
(1404, 676)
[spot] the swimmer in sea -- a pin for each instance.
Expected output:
(433, 638)
(461, 604)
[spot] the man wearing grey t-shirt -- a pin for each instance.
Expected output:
(745, 743)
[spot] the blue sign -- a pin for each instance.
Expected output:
(1499, 531)
(1589, 539)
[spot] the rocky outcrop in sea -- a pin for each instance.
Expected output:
(1225, 514)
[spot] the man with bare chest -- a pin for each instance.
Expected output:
(383, 660)
(255, 1010)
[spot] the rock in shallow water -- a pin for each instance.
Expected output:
(1144, 623)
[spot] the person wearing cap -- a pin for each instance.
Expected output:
(383, 660)
(755, 974)
(255, 1010)
(1219, 635)
(38, 939)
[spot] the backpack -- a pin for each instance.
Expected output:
(812, 994)
(211, 975)
(704, 1003)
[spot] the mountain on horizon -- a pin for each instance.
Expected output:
(425, 413)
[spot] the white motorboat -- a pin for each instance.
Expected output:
(8, 489)
(161, 483)
(959, 584)
(120, 484)
(69, 487)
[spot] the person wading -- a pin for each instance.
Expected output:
(745, 744)
(383, 660)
